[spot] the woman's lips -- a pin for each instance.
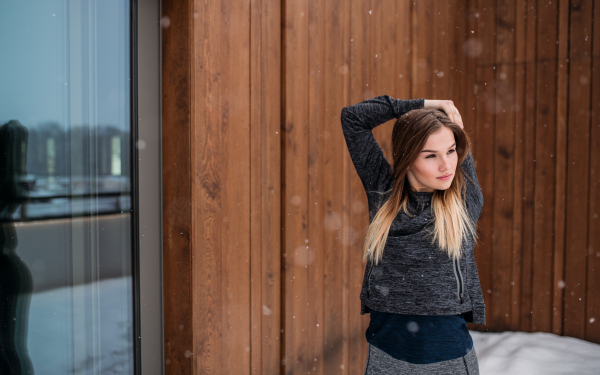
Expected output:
(446, 177)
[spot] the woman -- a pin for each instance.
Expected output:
(421, 285)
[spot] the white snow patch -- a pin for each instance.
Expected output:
(524, 353)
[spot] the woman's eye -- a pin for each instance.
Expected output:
(434, 154)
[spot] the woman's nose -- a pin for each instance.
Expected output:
(446, 163)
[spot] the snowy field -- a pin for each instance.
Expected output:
(519, 353)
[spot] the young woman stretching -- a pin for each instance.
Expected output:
(421, 285)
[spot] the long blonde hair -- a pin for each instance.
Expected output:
(451, 218)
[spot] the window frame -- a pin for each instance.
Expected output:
(146, 126)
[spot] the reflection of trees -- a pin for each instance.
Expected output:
(15, 277)
(75, 151)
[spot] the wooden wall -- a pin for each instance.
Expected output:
(537, 136)
(264, 215)
(222, 187)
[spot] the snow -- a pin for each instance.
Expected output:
(51, 331)
(89, 326)
(518, 353)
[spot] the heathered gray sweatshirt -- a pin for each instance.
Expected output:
(414, 276)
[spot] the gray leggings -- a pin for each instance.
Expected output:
(381, 363)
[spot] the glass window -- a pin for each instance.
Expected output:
(66, 292)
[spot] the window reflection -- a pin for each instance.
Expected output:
(53, 180)
(66, 304)
(15, 276)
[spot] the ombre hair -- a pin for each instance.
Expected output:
(451, 218)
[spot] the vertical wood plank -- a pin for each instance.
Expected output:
(207, 198)
(388, 47)
(265, 156)
(235, 126)
(484, 146)
(256, 139)
(383, 64)
(440, 54)
(422, 44)
(592, 332)
(467, 66)
(486, 31)
(355, 197)
(578, 168)
(519, 194)
(561, 167)
(459, 88)
(529, 168)
(484, 154)
(504, 166)
(354, 356)
(177, 186)
(403, 52)
(455, 32)
(545, 169)
(335, 335)
(350, 333)
(376, 82)
(316, 180)
(295, 193)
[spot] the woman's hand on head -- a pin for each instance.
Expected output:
(448, 107)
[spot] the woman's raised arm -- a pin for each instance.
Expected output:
(358, 121)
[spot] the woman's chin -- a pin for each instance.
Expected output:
(443, 185)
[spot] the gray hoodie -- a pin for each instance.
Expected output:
(414, 276)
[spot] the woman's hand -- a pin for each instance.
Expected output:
(448, 107)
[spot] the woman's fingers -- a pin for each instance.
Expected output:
(453, 113)
(448, 107)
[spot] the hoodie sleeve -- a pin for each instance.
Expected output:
(358, 121)
(474, 206)
(474, 289)
(474, 194)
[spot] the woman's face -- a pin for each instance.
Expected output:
(437, 159)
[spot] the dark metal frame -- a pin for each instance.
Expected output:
(147, 185)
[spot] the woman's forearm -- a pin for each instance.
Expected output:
(376, 111)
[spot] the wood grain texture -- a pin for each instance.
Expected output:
(316, 179)
(504, 166)
(545, 172)
(529, 169)
(356, 212)
(422, 48)
(519, 169)
(484, 155)
(335, 259)
(177, 187)
(578, 169)
(484, 150)
(592, 332)
(466, 89)
(295, 204)
(222, 258)
(562, 85)
(265, 202)
(265, 217)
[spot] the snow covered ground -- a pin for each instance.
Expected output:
(86, 329)
(62, 339)
(517, 353)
